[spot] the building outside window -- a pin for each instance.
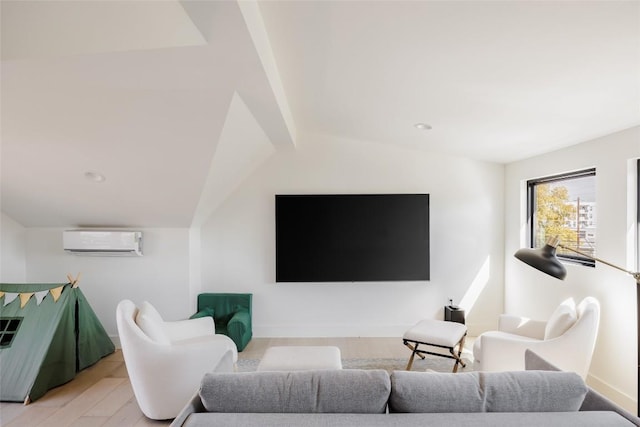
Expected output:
(564, 206)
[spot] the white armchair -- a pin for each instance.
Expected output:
(167, 360)
(567, 339)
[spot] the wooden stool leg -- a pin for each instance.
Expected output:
(460, 348)
(413, 355)
(455, 365)
(408, 368)
(412, 348)
(457, 357)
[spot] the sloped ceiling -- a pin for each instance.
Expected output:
(48, 29)
(155, 94)
(496, 80)
(145, 110)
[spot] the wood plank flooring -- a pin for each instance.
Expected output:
(102, 396)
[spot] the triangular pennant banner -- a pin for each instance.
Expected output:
(1, 294)
(40, 296)
(24, 298)
(56, 292)
(9, 297)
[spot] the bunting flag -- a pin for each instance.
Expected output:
(40, 296)
(56, 292)
(9, 297)
(24, 298)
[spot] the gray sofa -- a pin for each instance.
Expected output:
(541, 396)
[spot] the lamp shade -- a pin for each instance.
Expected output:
(543, 259)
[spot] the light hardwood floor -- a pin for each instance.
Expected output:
(102, 396)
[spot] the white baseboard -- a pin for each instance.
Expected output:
(476, 328)
(116, 340)
(323, 330)
(350, 330)
(620, 398)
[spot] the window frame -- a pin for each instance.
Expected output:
(13, 332)
(531, 208)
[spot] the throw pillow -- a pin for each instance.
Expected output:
(563, 318)
(150, 322)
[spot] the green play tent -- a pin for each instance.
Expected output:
(48, 333)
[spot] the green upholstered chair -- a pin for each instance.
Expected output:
(231, 314)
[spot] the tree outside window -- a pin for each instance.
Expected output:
(564, 206)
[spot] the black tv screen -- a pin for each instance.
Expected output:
(352, 237)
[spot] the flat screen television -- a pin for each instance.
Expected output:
(352, 237)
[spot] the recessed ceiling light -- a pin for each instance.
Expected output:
(94, 176)
(422, 126)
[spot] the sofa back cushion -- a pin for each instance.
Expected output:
(326, 391)
(435, 392)
(524, 391)
(533, 391)
(225, 305)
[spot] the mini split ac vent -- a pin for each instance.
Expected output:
(102, 242)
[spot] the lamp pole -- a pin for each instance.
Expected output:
(636, 275)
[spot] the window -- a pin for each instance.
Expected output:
(8, 330)
(564, 206)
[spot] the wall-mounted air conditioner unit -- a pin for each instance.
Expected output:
(103, 242)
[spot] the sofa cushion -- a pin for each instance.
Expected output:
(531, 419)
(435, 392)
(344, 391)
(150, 322)
(524, 391)
(562, 318)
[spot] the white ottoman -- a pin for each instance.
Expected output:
(300, 358)
(436, 333)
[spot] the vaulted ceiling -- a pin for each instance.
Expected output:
(170, 98)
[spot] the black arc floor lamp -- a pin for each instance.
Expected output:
(545, 260)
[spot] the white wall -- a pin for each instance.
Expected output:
(466, 240)
(12, 250)
(531, 293)
(161, 276)
(237, 247)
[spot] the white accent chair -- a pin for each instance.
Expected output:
(566, 340)
(167, 360)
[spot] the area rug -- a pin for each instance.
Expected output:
(430, 363)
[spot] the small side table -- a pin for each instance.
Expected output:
(453, 313)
